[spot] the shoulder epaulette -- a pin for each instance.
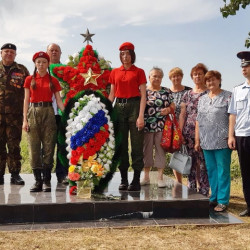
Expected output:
(238, 85)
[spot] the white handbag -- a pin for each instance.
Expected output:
(181, 161)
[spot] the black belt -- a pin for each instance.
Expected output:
(41, 104)
(127, 100)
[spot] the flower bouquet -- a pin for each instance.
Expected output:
(85, 175)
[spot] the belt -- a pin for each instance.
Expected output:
(41, 104)
(128, 100)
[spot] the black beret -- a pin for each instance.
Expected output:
(8, 46)
(245, 58)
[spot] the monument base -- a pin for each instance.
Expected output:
(18, 205)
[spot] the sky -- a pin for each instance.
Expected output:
(167, 34)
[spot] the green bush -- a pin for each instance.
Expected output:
(25, 155)
(235, 169)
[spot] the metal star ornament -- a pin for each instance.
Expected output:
(87, 36)
(90, 77)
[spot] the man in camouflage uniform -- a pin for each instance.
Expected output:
(12, 77)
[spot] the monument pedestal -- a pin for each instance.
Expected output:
(18, 205)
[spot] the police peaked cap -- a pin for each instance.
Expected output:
(8, 46)
(245, 58)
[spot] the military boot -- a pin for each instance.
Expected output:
(16, 179)
(1, 180)
(46, 180)
(37, 187)
(124, 182)
(135, 184)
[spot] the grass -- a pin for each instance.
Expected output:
(175, 237)
(178, 237)
(25, 155)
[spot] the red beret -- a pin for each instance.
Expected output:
(127, 46)
(40, 54)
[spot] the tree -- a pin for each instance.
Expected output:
(231, 8)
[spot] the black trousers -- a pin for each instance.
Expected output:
(61, 171)
(243, 148)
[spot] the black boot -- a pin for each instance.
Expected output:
(1, 180)
(245, 212)
(16, 179)
(135, 184)
(124, 182)
(37, 187)
(46, 180)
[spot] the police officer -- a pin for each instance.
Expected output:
(239, 126)
(12, 76)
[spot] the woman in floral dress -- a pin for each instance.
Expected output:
(159, 104)
(177, 90)
(197, 179)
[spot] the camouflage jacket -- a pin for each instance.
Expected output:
(11, 88)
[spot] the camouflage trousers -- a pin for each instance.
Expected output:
(41, 137)
(10, 138)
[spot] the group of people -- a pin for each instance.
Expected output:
(26, 102)
(213, 122)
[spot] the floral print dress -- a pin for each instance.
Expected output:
(178, 99)
(198, 169)
(155, 102)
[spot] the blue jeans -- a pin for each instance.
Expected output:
(218, 168)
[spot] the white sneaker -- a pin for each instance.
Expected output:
(145, 182)
(161, 184)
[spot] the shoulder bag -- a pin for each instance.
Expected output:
(171, 136)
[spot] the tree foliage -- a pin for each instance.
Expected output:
(231, 8)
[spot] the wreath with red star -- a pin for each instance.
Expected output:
(85, 74)
(90, 73)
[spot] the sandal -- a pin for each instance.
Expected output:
(213, 204)
(220, 208)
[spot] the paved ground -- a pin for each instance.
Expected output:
(12, 196)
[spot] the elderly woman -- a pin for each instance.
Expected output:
(177, 90)
(211, 136)
(197, 179)
(159, 103)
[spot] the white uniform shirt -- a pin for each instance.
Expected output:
(240, 106)
(54, 105)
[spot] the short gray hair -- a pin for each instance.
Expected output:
(157, 69)
(55, 45)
